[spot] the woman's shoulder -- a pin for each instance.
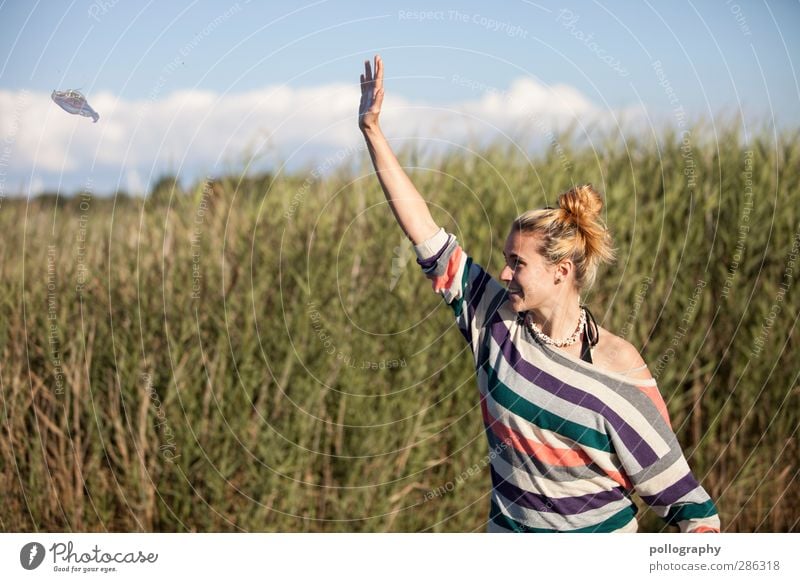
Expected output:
(618, 355)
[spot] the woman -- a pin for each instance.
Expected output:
(573, 409)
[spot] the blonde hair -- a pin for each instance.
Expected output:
(572, 231)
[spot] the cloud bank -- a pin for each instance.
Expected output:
(194, 133)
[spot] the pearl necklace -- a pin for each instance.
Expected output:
(544, 338)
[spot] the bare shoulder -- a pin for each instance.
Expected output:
(618, 355)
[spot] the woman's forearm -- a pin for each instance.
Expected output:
(408, 206)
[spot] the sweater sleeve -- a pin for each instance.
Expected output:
(649, 452)
(471, 292)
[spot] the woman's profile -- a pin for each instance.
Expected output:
(575, 414)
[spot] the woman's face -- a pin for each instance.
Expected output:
(528, 276)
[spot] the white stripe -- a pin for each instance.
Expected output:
(548, 487)
(541, 397)
(490, 292)
(669, 476)
(476, 323)
(428, 249)
(456, 289)
(608, 462)
(557, 521)
(620, 405)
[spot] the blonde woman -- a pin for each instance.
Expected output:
(572, 408)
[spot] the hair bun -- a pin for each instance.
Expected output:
(575, 230)
(581, 204)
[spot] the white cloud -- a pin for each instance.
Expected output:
(194, 131)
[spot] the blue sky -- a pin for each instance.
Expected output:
(199, 87)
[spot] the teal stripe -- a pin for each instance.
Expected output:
(543, 418)
(458, 305)
(690, 511)
(614, 522)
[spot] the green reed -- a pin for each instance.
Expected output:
(262, 353)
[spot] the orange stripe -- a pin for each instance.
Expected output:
(703, 529)
(445, 281)
(655, 397)
(551, 455)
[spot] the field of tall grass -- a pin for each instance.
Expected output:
(263, 354)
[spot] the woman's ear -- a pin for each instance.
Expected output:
(563, 270)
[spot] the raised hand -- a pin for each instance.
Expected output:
(371, 95)
(408, 206)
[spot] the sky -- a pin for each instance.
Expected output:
(204, 88)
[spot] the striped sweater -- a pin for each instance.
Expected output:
(571, 442)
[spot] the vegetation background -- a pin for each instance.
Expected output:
(260, 352)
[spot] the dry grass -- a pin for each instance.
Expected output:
(247, 406)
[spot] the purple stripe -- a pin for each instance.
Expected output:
(475, 293)
(672, 493)
(430, 262)
(559, 505)
(635, 444)
(480, 282)
(481, 279)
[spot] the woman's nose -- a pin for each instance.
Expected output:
(506, 274)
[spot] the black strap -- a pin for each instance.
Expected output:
(590, 336)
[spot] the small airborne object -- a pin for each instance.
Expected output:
(74, 102)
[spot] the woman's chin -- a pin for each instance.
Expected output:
(516, 302)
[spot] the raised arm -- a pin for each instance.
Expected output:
(407, 204)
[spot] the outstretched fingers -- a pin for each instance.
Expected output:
(371, 93)
(368, 70)
(378, 73)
